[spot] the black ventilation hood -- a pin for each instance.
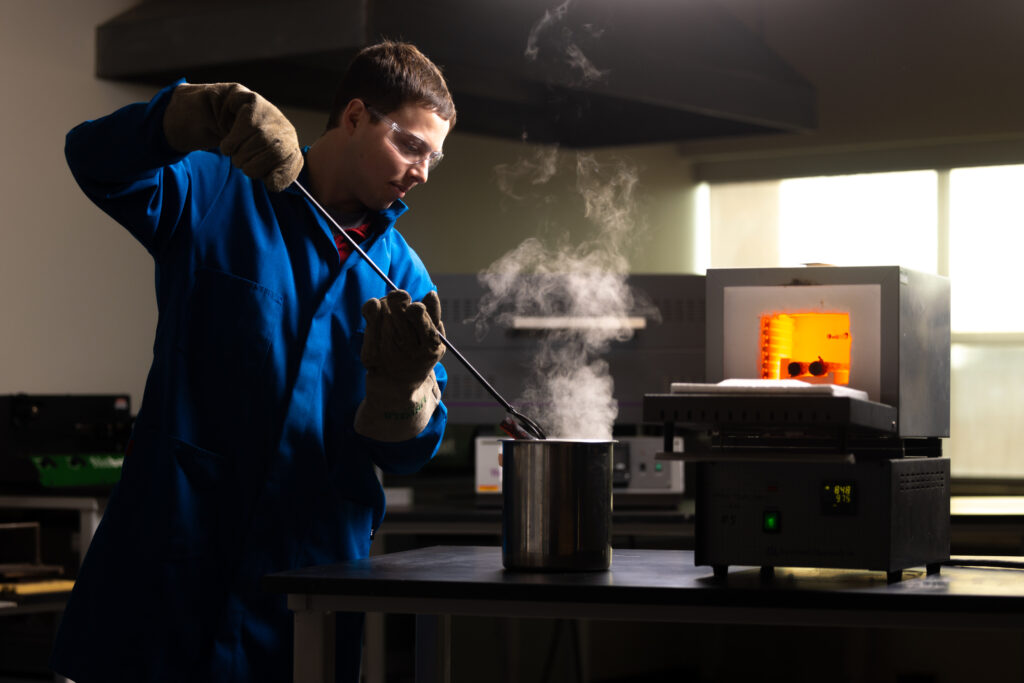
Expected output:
(580, 73)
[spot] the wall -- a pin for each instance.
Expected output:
(75, 294)
(462, 221)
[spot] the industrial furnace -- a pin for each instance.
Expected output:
(817, 435)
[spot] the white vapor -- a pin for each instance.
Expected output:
(570, 389)
(556, 38)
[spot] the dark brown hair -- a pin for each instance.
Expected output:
(389, 75)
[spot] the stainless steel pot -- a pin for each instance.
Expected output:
(557, 504)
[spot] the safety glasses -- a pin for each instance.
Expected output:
(412, 148)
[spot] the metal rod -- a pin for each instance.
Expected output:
(533, 428)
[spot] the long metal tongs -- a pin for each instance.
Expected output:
(520, 426)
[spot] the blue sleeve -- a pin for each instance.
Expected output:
(124, 164)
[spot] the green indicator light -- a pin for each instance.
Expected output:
(657, 467)
(772, 521)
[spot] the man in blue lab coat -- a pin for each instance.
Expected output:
(283, 370)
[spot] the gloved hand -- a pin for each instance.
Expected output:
(400, 349)
(246, 127)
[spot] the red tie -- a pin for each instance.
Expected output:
(357, 234)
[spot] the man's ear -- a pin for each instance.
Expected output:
(353, 114)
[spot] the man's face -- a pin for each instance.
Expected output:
(387, 148)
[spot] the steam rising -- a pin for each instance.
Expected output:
(553, 36)
(550, 19)
(570, 390)
(536, 171)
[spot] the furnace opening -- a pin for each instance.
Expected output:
(812, 347)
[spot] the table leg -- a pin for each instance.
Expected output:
(88, 520)
(313, 656)
(510, 630)
(433, 648)
(582, 633)
(374, 654)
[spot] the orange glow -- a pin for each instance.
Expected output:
(813, 347)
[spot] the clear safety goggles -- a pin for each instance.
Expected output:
(412, 148)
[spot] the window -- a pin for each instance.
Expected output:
(966, 223)
(986, 236)
(879, 218)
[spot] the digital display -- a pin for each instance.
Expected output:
(839, 498)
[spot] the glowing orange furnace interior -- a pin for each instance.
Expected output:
(813, 347)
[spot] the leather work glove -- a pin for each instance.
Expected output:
(400, 349)
(244, 125)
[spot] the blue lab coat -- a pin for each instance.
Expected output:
(243, 460)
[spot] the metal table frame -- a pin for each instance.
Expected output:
(643, 585)
(89, 509)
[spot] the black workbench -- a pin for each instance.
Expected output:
(643, 585)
